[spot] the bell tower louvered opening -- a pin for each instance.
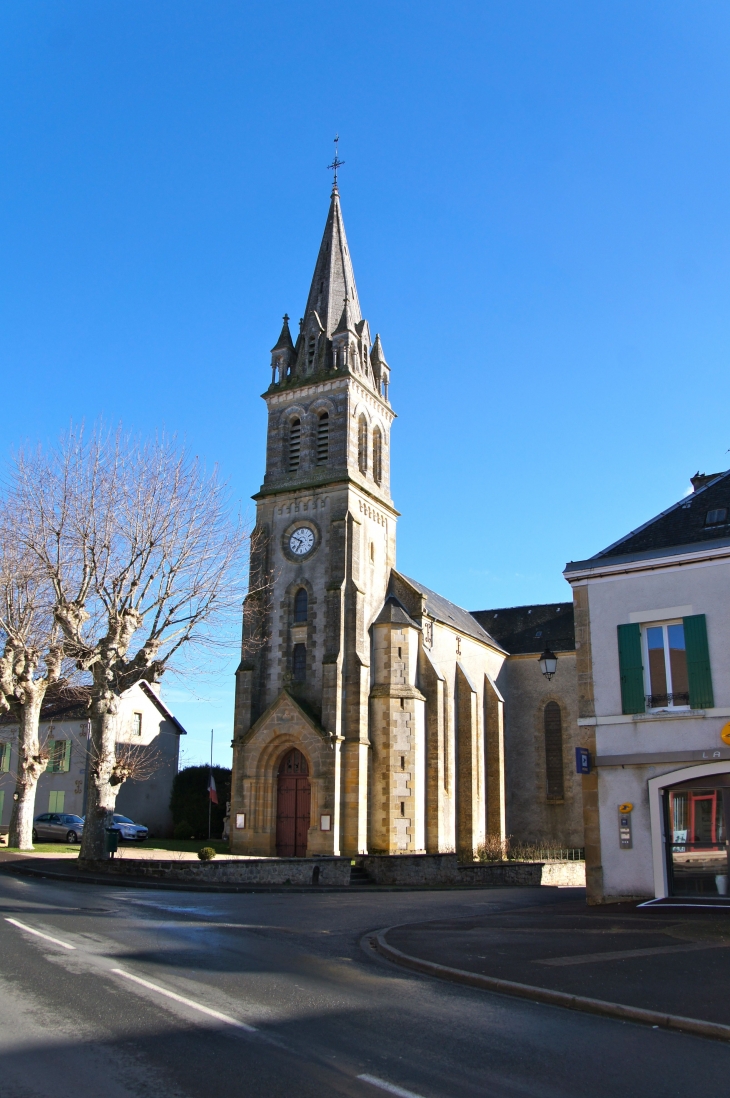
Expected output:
(295, 444)
(378, 456)
(362, 445)
(323, 439)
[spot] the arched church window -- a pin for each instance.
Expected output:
(301, 604)
(295, 444)
(323, 438)
(377, 456)
(299, 662)
(362, 445)
(553, 722)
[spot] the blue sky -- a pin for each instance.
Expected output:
(536, 200)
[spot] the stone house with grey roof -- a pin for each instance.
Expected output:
(143, 721)
(372, 717)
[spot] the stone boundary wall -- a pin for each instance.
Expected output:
(333, 872)
(556, 874)
(400, 870)
(411, 869)
(444, 869)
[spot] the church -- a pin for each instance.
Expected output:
(370, 712)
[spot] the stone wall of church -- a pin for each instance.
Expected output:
(531, 816)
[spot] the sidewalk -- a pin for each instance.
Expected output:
(129, 853)
(671, 961)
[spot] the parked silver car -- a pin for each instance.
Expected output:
(58, 827)
(129, 830)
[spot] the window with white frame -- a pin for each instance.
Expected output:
(136, 724)
(665, 663)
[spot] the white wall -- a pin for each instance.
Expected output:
(699, 588)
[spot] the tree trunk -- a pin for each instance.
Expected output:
(102, 785)
(31, 765)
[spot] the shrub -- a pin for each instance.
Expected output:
(493, 849)
(183, 830)
(206, 853)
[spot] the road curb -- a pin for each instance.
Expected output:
(695, 1026)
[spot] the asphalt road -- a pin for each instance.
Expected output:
(189, 995)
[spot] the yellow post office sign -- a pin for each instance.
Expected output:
(624, 809)
(725, 734)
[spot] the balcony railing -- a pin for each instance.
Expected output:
(663, 701)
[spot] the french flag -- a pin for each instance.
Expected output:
(212, 792)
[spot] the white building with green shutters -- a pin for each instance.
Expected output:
(143, 721)
(652, 621)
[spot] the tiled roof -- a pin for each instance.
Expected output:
(525, 629)
(683, 526)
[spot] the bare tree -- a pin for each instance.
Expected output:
(31, 662)
(147, 562)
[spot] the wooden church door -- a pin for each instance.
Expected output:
(293, 797)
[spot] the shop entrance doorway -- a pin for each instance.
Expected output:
(696, 818)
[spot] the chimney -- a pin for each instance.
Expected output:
(699, 480)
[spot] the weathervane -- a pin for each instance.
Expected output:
(336, 163)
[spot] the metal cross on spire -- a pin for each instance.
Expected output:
(336, 163)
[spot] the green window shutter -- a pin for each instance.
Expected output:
(698, 662)
(64, 762)
(631, 669)
(50, 765)
(55, 800)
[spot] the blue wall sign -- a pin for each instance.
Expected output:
(582, 760)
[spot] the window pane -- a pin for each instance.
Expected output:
(657, 666)
(300, 605)
(678, 664)
(299, 663)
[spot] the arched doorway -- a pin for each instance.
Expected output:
(293, 796)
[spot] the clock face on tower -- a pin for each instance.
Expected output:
(301, 541)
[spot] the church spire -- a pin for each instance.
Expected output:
(334, 278)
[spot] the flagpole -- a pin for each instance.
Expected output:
(210, 775)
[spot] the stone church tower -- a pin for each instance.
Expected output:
(367, 716)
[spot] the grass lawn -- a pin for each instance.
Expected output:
(192, 845)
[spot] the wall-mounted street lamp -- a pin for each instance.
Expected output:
(548, 663)
(16, 796)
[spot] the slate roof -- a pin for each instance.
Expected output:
(682, 527)
(525, 629)
(394, 612)
(440, 609)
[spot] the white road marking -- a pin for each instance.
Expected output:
(188, 1002)
(628, 954)
(390, 1087)
(39, 934)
